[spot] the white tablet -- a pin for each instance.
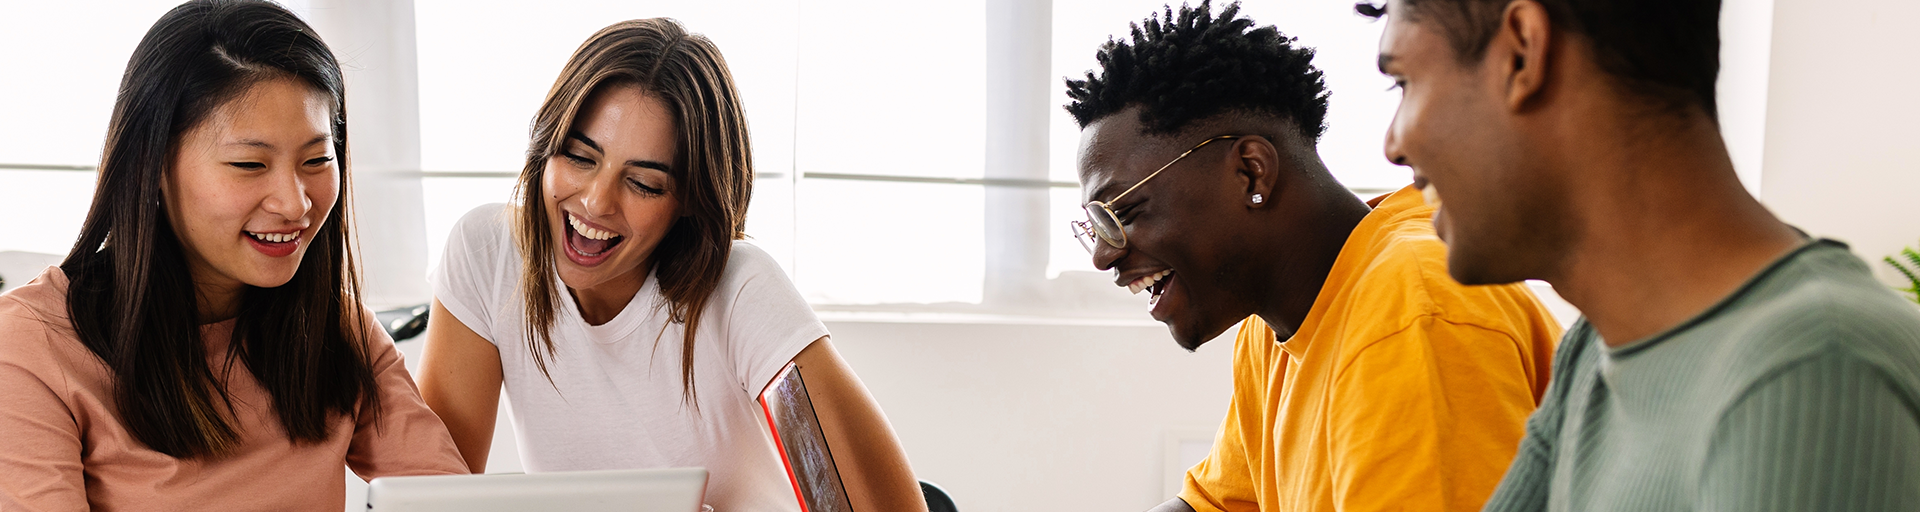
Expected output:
(627, 490)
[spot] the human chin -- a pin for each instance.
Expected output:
(1197, 321)
(1476, 254)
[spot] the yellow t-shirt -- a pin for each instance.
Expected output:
(1402, 389)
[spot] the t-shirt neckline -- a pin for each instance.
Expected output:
(1721, 306)
(639, 311)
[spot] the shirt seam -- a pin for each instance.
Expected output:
(1340, 373)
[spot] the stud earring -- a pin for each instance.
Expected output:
(1257, 199)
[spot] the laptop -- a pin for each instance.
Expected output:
(627, 490)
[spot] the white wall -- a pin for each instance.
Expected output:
(1036, 417)
(1840, 137)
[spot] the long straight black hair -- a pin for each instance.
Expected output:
(130, 297)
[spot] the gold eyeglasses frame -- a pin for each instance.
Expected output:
(1104, 225)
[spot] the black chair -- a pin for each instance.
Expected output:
(937, 500)
(405, 323)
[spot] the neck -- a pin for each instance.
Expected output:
(217, 302)
(600, 303)
(1305, 244)
(1665, 230)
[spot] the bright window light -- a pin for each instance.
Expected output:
(63, 62)
(901, 96)
(479, 91)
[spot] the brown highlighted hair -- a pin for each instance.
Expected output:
(713, 171)
(130, 296)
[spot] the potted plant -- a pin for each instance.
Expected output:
(1911, 269)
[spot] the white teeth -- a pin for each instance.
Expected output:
(586, 231)
(274, 238)
(1146, 282)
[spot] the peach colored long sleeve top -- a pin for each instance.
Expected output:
(64, 447)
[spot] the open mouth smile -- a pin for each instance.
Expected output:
(1154, 284)
(588, 245)
(274, 245)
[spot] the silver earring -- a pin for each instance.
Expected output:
(1257, 199)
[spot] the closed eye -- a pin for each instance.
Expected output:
(1128, 212)
(248, 165)
(644, 189)
(581, 161)
(319, 161)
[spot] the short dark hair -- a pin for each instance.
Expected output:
(1667, 50)
(1196, 66)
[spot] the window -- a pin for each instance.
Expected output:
(64, 61)
(869, 120)
(829, 126)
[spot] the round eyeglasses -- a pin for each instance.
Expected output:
(1103, 226)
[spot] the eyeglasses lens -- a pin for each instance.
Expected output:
(1105, 225)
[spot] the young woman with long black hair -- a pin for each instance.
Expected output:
(630, 324)
(202, 346)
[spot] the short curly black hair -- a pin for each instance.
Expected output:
(1195, 66)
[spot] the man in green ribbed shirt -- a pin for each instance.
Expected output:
(1726, 361)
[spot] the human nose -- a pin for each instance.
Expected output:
(287, 195)
(1105, 255)
(598, 195)
(1392, 145)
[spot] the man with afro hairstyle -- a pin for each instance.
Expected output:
(1364, 377)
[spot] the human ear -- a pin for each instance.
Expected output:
(1256, 163)
(1520, 48)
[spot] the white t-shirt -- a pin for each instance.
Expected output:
(616, 398)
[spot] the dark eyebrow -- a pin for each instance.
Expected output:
(264, 145)
(649, 164)
(1385, 59)
(584, 140)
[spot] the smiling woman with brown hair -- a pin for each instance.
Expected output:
(203, 346)
(630, 324)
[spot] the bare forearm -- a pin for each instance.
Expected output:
(460, 380)
(868, 455)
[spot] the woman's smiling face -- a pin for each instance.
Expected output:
(610, 189)
(250, 185)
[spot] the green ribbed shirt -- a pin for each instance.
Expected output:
(1797, 392)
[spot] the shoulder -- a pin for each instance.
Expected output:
(748, 264)
(1828, 291)
(36, 335)
(746, 257)
(1820, 304)
(1405, 278)
(480, 261)
(485, 223)
(36, 309)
